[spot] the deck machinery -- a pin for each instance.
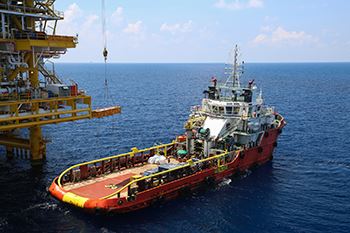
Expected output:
(31, 95)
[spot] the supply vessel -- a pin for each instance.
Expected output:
(231, 132)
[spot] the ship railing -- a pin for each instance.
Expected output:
(279, 120)
(105, 166)
(219, 162)
(223, 115)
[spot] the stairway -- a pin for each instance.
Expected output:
(50, 76)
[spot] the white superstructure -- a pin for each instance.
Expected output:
(232, 115)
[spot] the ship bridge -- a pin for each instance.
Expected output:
(225, 108)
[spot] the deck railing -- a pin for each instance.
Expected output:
(34, 112)
(108, 165)
(219, 162)
(279, 119)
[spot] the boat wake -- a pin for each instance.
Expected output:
(3, 222)
(43, 206)
(225, 182)
(245, 174)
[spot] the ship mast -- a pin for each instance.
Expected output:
(235, 70)
(236, 73)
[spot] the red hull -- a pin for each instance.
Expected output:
(248, 158)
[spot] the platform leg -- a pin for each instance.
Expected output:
(9, 152)
(37, 146)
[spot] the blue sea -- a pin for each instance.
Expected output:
(306, 188)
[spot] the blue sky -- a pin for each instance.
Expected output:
(205, 30)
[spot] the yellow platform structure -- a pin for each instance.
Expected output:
(27, 40)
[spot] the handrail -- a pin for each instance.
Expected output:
(280, 120)
(189, 164)
(46, 100)
(131, 154)
(40, 115)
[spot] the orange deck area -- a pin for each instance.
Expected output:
(102, 188)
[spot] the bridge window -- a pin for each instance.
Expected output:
(215, 109)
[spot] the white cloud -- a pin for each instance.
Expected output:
(280, 35)
(255, 3)
(178, 27)
(134, 28)
(239, 4)
(69, 26)
(260, 38)
(265, 28)
(117, 16)
(73, 11)
(90, 19)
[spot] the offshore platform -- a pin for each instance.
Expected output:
(31, 94)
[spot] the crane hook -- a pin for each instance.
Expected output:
(105, 53)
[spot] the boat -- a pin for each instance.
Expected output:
(231, 132)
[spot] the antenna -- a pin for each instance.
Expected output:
(235, 69)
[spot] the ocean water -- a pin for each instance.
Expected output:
(306, 188)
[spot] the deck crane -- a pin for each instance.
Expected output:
(31, 95)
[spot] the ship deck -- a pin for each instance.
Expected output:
(105, 185)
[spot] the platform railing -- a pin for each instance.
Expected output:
(115, 163)
(34, 112)
(219, 162)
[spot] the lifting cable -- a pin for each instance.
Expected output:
(105, 54)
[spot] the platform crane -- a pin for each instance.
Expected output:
(31, 95)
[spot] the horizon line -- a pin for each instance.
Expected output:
(214, 62)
